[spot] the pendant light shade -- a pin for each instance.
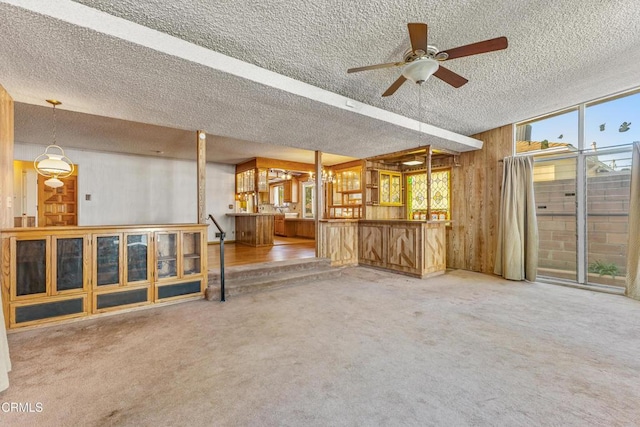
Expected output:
(53, 183)
(53, 163)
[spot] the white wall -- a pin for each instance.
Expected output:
(127, 189)
(25, 202)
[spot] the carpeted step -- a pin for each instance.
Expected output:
(266, 276)
(266, 269)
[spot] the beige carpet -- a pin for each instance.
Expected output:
(370, 349)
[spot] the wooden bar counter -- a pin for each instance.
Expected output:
(254, 229)
(415, 248)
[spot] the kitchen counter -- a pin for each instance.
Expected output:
(253, 214)
(254, 229)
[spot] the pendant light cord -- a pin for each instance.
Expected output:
(54, 125)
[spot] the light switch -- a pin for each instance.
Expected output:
(9, 201)
(230, 206)
(87, 197)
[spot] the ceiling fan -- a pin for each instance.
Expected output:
(423, 60)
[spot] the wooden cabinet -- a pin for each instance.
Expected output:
(38, 268)
(279, 226)
(290, 191)
(245, 181)
(348, 180)
(263, 180)
(120, 270)
(179, 261)
(56, 273)
(415, 248)
(346, 194)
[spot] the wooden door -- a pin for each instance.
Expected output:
(58, 206)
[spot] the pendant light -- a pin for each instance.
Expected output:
(53, 163)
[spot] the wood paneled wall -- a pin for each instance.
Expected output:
(475, 187)
(6, 159)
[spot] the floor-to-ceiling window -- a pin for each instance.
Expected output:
(581, 180)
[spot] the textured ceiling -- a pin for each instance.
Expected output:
(34, 125)
(559, 54)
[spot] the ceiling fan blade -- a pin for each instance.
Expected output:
(476, 48)
(418, 36)
(375, 67)
(394, 87)
(450, 77)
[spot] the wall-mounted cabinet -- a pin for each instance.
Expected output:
(246, 181)
(390, 188)
(290, 190)
(263, 180)
(52, 274)
(346, 194)
(348, 180)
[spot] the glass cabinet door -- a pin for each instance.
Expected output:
(31, 267)
(191, 257)
(167, 255)
(390, 188)
(137, 257)
(69, 263)
(107, 260)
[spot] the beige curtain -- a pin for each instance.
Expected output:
(517, 251)
(633, 256)
(5, 362)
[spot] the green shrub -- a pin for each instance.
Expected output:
(603, 268)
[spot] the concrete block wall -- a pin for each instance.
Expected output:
(607, 223)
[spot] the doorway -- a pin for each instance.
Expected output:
(35, 204)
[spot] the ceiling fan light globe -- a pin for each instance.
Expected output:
(420, 70)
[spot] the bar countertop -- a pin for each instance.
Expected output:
(252, 214)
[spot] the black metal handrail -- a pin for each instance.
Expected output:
(222, 235)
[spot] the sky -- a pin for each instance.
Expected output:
(611, 113)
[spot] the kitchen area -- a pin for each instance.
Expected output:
(390, 212)
(276, 199)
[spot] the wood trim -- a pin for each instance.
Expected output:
(348, 165)
(6, 158)
(263, 162)
(6, 277)
(248, 165)
(416, 150)
(201, 170)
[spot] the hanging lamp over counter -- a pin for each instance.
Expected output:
(53, 163)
